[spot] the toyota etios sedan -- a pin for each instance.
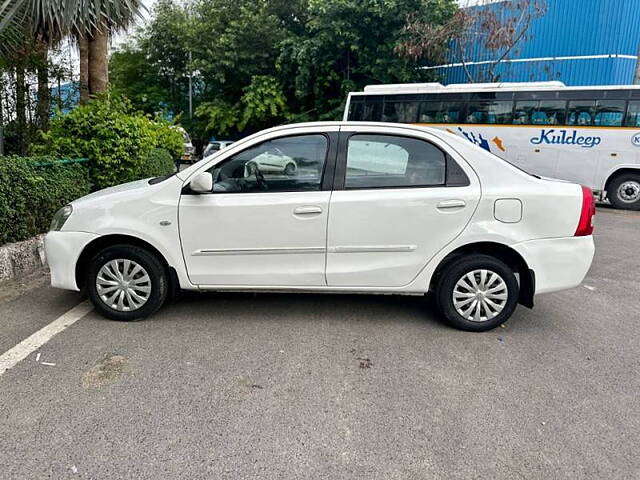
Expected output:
(370, 208)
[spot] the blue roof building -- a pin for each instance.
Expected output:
(579, 42)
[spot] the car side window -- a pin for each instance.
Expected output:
(288, 164)
(386, 161)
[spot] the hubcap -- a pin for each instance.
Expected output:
(123, 285)
(629, 192)
(480, 295)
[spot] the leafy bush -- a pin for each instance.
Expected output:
(156, 163)
(32, 189)
(112, 136)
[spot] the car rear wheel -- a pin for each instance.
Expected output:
(126, 283)
(624, 191)
(477, 293)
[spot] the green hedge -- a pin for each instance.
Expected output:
(32, 189)
(156, 163)
(114, 137)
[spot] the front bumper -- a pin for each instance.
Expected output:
(558, 263)
(63, 250)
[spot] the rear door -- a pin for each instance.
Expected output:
(399, 197)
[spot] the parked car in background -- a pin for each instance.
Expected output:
(435, 213)
(215, 146)
(188, 154)
(274, 161)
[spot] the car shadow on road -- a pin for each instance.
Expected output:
(303, 307)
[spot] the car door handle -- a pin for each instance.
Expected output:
(307, 210)
(451, 204)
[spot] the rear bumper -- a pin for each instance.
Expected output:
(63, 250)
(558, 263)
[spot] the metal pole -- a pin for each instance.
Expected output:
(190, 88)
(636, 77)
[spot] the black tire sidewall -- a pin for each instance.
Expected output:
(149, 262)
(290, 169)
(612, 192)
(457, 270)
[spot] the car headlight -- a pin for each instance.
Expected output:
(60, 218)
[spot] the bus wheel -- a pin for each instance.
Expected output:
(624, 191)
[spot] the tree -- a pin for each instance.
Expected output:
(90, 21)
(259, 63)
(348, 44)
(500, 29)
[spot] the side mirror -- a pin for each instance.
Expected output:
(202, 183)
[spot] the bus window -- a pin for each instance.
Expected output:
(524, 111)
(581, 112)
(356, 111)
(430, 112)
(452, 112)
(390, 113)
(405, 112)
(476, 113)
(633, 115)
(551, 112)
(372, 111)
(609, 113)
(498, 112)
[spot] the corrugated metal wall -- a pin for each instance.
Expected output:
(571, 28)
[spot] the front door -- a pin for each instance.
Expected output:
(264, 223)
(402, 200)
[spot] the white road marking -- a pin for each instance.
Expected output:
(49, 364)
(589, 287)
(29, 345)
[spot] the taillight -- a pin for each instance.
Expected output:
(585, 225)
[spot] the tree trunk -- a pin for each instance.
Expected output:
(44, 97)
(83, 47)
(21, 119)
(98, 62)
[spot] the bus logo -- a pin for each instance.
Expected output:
(635, 140)
(563, 137)
(481, 141)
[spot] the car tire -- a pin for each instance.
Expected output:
(140, 284)
(290, 169)
(624, 191)
(475, 301)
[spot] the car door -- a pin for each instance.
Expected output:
(262, 226)
(399, 198)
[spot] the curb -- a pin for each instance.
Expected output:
(20, 258)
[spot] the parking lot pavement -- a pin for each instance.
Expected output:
(333, 386)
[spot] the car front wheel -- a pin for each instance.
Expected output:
(126, 283)
(477, 293)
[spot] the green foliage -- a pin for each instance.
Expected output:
(32, 189)
(349, 44)
(115, 139)
(257, 63)
(262, 103)
(156, 163)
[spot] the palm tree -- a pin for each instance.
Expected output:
(89, 21)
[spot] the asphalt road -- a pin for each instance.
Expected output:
(239, 386)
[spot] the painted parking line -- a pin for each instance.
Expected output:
(29, 345)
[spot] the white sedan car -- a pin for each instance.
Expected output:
(379, 208)
(272, 162)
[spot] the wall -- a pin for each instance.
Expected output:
(571, 28)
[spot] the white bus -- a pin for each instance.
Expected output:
(588, 135)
